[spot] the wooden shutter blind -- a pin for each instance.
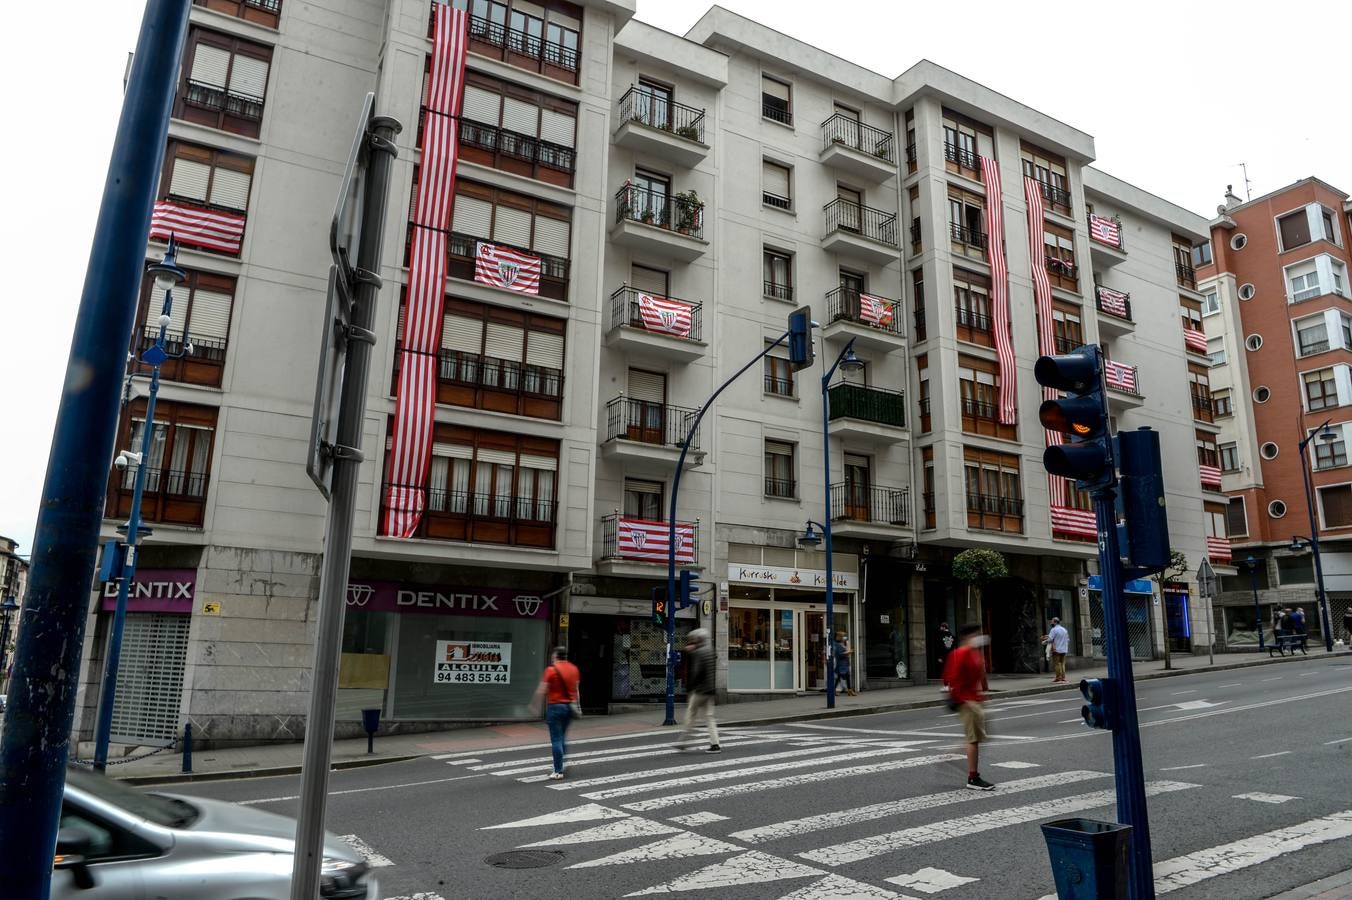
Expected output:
(461, 333)
(512, 226)
(544, 349)
(472, 216)
(209, 65)
(210, 318)
(648, 386)
(504, 341)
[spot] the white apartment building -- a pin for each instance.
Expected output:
(682, 195)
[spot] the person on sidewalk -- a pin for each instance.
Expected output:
(699, 689)
(1347, 625)
(558, 691)
(1058, 642)
(965, 675)
(841, 649)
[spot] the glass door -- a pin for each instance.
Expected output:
(783, 678)
(814, 651)
(857, 483)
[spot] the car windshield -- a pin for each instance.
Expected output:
(167, 811)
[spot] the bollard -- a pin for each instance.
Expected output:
(1089, 858)
(370, 722)
(187, 748)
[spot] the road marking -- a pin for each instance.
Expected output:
(383, 787)
(753, 867)
(1182, 871)
(591, 757)
(874, 811)
(699, 818)
(1181, 693)
(877, 845)
(544, 737)
(1270, 755)
(1276, 678)
(1015, 764)
(373, 859)
(787, 781)
(838, 887)
(844, 728)
(621, 829)
(588, 812)
(1338, 741)
(1265, 798)
(458, 762)
(1013, 704)
(427, 895)
(1307, 674)
(931, 881)
(1187, 705)
(681, 846)
(1245, 708)
(1181, 768)
(1232, 684)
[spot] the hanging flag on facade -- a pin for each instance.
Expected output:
(505, 268)
(1211, 476)
(197, 227)
(1122, 377)
(666, 316)
(646, 540)
(1105, 230)
(1078, 522)
(876, 310)
(1218, 549)
(1046, 339)
(995, 256)
(1114, 302)
(1195, 340)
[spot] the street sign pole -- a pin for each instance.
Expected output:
(1206, 586)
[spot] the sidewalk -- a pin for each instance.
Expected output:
(1335, 887)
(283, 759)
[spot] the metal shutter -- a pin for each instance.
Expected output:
(557, 127)
(178, 314)
(190, 179)
(453, 451)
(230, 189)
(210, 315)
(497, 457)
(249, 77)
(150, 678)
(462, 333)
(209, 65)
(773, 88)
(647, 386)
(504, 342)
(512, 226)
(519, 116)
(544, 349)
(775, 179)
(546, 463)
(650, 281)
(481, 105)
(472, 216)
(551, 236)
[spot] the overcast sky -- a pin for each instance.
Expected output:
(1176, 95)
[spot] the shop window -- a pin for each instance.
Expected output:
(749, 644)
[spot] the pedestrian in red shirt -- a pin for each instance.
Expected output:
(559, 691)
(965, 675)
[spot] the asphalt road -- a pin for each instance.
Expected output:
(1250, 773)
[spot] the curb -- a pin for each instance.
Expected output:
(808, 715)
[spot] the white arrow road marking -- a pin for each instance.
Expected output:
(838, 887)
(748, 868)
(611, 831)
(678, 847)
(1187, 705)
(1182, 871)
(877, 845)
(1260, 797)
(874, 811)
(699, 818)
(931, 881)
(589, 812)
(365, 851)
(787, 781)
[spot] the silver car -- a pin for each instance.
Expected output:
(119, 843)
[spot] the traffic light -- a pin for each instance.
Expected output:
(1081, 415)
(687, 589)
(1142, 495)
(801, 353)
(1100, 702)
(660, 606)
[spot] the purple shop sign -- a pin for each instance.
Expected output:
(155, 590)
(389, 596)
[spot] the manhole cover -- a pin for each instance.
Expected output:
(524, 859)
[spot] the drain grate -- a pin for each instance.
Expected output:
(524, 859)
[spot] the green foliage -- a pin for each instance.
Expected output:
(977, 565)
(1178, 565)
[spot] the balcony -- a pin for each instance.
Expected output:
(860, 232)
(1186, 276)
(481, 518)
(511, 151)
(261, 12)
(981, 413)
(1064, 343)
(519, 48)
(647, 435)
(1203, 410)
(920, 333)
(203, 366)
(671, 225)
(871, 415)
(216, 107)
(1106, 246)
(962, 158)
(874, 322)
(777, 291)
(476, 381)
(461, 254)
(869, 511)
(663, 326)
(1114, 309)
(973, 326)
(1124, 385)
(170, 496)
(992, 512)
(1056, 199)
(654, 126)
(634, 546)
(1194, 340)
(970, 237)
(857, 149)
(1064, 274)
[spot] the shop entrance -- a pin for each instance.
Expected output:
(590, 649)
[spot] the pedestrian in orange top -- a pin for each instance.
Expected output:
(965, 675)
(559, 691)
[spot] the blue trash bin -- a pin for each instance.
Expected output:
(1089, 858)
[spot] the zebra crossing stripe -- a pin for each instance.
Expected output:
(588, 812)
(753, 867)
(614, 754)
(1191, 868)
(877, 845)
(680, 846)
(787, 781)
(704, 765)
(373, 858)
(931, 881)
(619, 830)
(906, 805)
(838, 887)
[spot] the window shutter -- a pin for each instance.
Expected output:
(775, 179)
(481, 105)
(544, 349)
(190, 179)
(497, 457)
(209, 65)
(210, 315)
(249, 76)
(519, 116)
(230, 189)
(650, 281)
(547, 463)
(504, 341)
(462, 333)
(512, 226)
(776, 89)
(453, 451)
(551, 236)
(177, 315)
(557, 128)
(472, 216)
(399, 323)
(647, 386)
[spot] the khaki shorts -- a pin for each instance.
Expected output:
(973, 717)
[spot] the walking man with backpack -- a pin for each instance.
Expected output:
(699, 689)
(965, 675)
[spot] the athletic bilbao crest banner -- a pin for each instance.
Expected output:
(506, 268)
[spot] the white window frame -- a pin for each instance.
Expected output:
(1319, 494)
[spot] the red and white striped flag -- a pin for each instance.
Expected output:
(1069, 520)
(1211, 476)
(194, 226)
(1120, 376)
(1046, 333)
(995, 256)
(1195, 340)
(876, 310)
(1105, 230)
(665, 316)
(505, 268)
(1115, 302)
(1218, 548)
(647, 540)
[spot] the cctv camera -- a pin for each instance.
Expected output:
(120, 461)
(187, 348)
(164, 321)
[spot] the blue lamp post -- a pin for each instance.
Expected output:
(7, 609)
(167, 276)
(1325, 434)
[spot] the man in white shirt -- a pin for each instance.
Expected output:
(1058, 639)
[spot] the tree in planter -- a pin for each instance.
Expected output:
(1178, 565)
(976, 567)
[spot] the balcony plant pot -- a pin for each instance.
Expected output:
(689, 132)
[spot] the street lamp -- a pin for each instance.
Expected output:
(1325, 434)
(1253, 585)
(846, 361)
(7, 609)
(167, 276)
(1298, 543)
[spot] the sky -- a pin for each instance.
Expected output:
(1176, 95)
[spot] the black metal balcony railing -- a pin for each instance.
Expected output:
(868, 404)
(512, 144)
(204, 204)
(1202, 409)
(994, 504)
(668, 211)
(920, 333)
(479, 371)
(776, 201)
(626, 308)
(1066, 343)
(910, 154)
(521, 43)
(978, 409)
(780, 387)
(779, 291)
(208, 96)
(865, 309)
(970, 318)
(783, 488)
(460, 248)
(1059, 198)
(841, 129)
(646, 422)
(924, 405)
(639, 105)
(612, 549)
(1062, 267)
(484, 506)
(776, 110)
(1187, 275)
(875, 224)
(203, 349)
(167, 482)
(969, 236)
(857, 502)
(269, 5)
(915, 233)
(1116, 304)
(965, 159)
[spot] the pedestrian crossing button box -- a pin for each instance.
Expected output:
(1089, 858)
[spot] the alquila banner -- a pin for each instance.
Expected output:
(473, 662)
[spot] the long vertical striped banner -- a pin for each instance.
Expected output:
(995, 256)
(1042, 296)
(415, 399)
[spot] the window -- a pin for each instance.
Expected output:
(1201, 255)
(1312, 335)
(264, 12)
(649, 280)
(223, 82)
(1229, 457)
(1336, 503)
(1059, 246)
(1050, 172)
(779, 469)
(1321, 389)
(515, 129)
(1220, 402)
(1211, 302)
(1200, 386)
(1261, 394)
(1185, 273)
(966, 221)
(979, 392)
(914, 196)
(778, 274)
(971, 303)
(1247, 291)
(778, 373)
(1206, 450)
(1269, 450)
(1303, 282)
(652, 101)
(994, 492)
(518, 221)
(964, 143)
(918, 302)
(1277, 509)
(1345, 327)
(1239, 241)
(931, 513)
(205, 177)
(200, 314)
(1295, 229)
(922, 368)
(1332, 453)
(1236, 522)
(643, 499)
(177, 461)
(775, 185)
(776, 100)
(1217, 357)
(1254, 342)
(541, 37)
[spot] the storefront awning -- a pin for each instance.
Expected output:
(1135, 586)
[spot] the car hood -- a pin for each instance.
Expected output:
(229, 826)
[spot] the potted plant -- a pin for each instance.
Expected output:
(691, 211)
(689, 132)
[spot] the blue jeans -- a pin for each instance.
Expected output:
(557, 717)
